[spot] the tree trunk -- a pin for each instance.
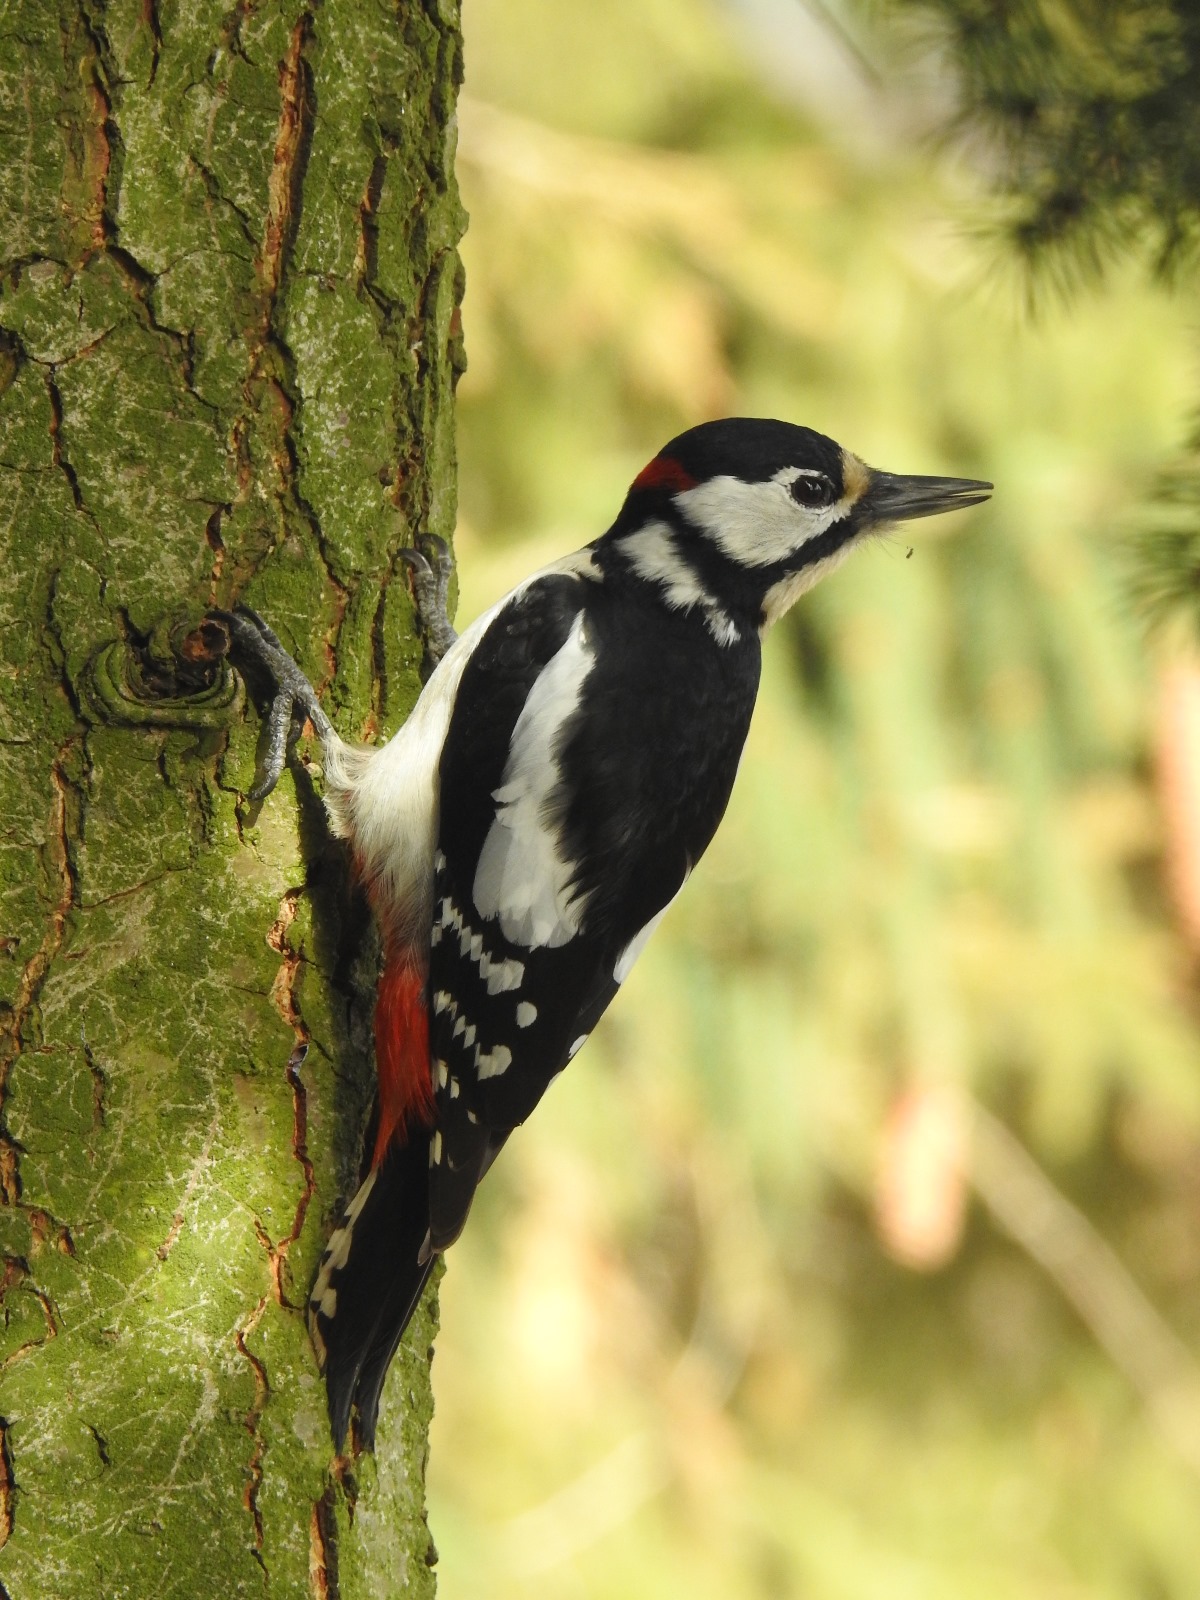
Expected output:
(228, 343)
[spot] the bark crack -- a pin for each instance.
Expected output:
(16, 1276)
(57, 859)
(271, 376)
(253, 1417)
(287, 167)
(101, 1445)
(98, 134)
(141, 284)
(57, 449)
(153, 27)
(322, 1549)
(8, 1486)
(99, 1083)
(283, 998)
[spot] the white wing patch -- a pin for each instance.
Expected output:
(386, 800)
(523, 877)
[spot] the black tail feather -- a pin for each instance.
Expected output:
(369, 1285)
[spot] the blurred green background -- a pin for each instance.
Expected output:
(858, 1254)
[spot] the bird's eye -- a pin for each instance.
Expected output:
(813, 490)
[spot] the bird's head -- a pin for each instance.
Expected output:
(741, 516)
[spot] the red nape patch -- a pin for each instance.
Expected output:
(664, 472)
(401, 1054)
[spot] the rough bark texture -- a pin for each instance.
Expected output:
(228, 342)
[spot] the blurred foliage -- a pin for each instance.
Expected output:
(1086, 112)
(763, 1301)
(1091, 107)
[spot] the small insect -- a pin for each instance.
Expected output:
(908, 553)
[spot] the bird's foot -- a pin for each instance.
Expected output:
(429, 568)
(255, 641)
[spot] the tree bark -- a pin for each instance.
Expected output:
(228, 344)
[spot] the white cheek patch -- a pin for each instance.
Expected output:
(523, 876)
(756, 524)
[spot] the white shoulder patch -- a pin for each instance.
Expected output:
(385, 800)
(523, 876)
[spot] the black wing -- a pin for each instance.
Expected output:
(627, 749)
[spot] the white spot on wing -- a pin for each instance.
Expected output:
(523, 878)
(501, 975)
(577, 1046)
(337, 1251)
(492, 1063)
(526, 1014)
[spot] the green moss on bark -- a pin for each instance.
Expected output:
(228, 345)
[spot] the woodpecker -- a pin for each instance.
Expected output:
(523, 834)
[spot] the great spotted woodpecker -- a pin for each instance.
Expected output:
(524, 832)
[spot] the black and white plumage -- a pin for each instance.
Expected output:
(524, 832)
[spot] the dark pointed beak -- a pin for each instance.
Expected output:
(890, 497)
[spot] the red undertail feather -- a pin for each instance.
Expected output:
(664, 472)
(401, 1053)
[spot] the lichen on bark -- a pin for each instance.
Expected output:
(228, 346)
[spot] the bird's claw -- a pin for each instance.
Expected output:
(430, 567)
(255, 640)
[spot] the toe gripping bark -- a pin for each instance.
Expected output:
(430, 568)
